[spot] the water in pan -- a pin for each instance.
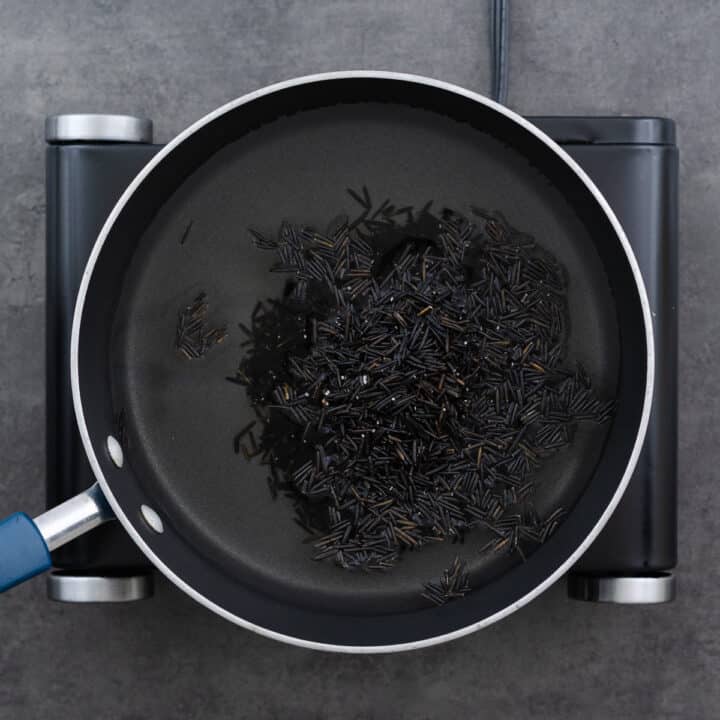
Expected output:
(187, 414)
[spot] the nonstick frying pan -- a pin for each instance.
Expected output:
(203, 516)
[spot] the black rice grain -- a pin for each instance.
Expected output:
(411, 381)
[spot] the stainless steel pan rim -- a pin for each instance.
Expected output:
(119, 511)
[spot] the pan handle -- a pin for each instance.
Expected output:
(25, 544)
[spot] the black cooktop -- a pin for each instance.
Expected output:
(633, 161)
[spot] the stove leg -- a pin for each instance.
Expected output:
(70, 587)
(626, 590)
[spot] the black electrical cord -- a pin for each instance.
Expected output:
(499, 22)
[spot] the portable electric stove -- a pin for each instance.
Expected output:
(634, 161)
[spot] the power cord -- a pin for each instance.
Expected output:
(499, 40)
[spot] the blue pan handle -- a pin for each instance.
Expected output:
(25, 544)
(23, 553)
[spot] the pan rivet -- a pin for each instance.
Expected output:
(152, 518)
(115, 451)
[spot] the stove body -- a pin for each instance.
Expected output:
(634, 162)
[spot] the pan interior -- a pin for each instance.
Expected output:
(180, 416)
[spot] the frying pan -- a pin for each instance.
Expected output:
(202, 515)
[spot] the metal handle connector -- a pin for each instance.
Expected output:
(74, 517)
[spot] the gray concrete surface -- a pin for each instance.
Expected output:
(173, 61)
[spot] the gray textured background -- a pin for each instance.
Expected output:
(168, 658)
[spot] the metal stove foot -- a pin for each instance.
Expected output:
(98, 128)
(627, 590)
(71, 587)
